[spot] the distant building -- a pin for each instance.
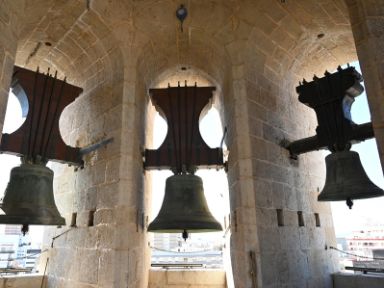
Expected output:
(170, 248)
(365, 241)
(16, 250)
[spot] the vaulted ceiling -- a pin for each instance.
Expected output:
(85, 38)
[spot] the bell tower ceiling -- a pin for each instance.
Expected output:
(300, 35)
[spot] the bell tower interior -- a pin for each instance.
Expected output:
(216, 191)
(255, 53)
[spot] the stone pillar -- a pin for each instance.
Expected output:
(266, 185)
(9, 26)
(244, 238)
(367, 20)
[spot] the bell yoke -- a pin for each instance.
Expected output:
(332, 97)
(184, 207)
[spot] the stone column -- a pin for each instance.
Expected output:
(244, 238)
(367, 20)
(273, 199)
(9, 26)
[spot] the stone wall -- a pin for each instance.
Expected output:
(367, 19)
(255, 52)
(10, 27)
(187, 278)
(29, 281)
(349, 280)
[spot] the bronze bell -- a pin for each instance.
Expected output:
(29, 199)
(184, 208)
(346, 179)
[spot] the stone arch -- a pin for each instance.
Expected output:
(66, 36)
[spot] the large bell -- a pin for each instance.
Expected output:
(29, 199)
(184, 208)
(346, 179)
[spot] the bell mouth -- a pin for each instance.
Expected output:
(180, 226)
(346, 179)
(28, 220)
(184, 208)
(29, 197)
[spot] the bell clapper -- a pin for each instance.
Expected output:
(185, 235)
(24, 229)
(349, 203)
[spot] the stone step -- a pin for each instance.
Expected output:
(187, 279)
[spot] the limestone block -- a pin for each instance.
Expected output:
(289, 237)
(106, 268)
(104, 216)
(187, 278)
(107, 195)
(263, 194)
(105, 236)
(357, 280)
(130, 238)
(269, 263)
(278, 195)
(21, 281)
(87, 237)
(89, 266)
(269, 239)
(304, 237)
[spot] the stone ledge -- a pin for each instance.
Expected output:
(192, 278)
(21, 281)
(342, 280)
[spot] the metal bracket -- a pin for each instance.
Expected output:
(96, 146)
(358, 133)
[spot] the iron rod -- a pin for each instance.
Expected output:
(186, 126)
(171, 121)
(192, 129)
(40, 111)
(44, 152)
(359, 133)
(47, 116)
(29, 153)
(222, 139)
(93, 147)
(179, 125)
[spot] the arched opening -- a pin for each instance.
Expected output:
(205, 249)
(17, 250)
(359, 230)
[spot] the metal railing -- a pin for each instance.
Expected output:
(177, 265)
(365, 270)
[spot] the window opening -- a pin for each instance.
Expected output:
(204, 249)
(353, 226)
(23, 250)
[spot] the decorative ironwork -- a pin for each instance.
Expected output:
(38, 139)
(332, 97)
(183, 149)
